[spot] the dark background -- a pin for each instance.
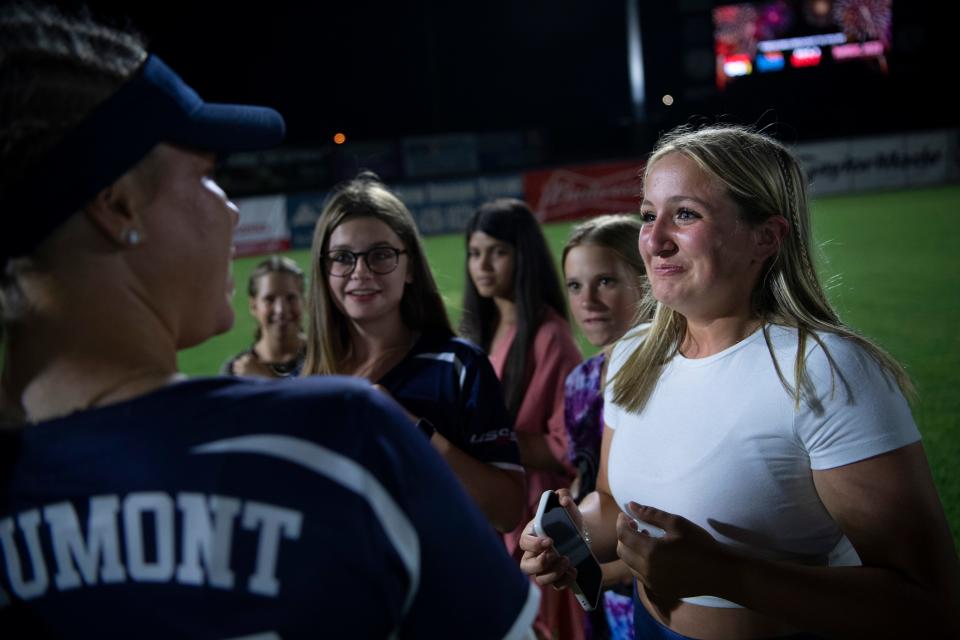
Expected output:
(553, 72)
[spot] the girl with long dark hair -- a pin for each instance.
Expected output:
(514, 308)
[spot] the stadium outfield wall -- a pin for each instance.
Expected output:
(280, 222)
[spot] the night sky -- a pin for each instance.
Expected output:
(381, 70)
(378, 70)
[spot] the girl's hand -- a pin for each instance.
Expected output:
(682, 563)
(543, 562)
(540, 558)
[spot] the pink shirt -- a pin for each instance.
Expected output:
(554, 354)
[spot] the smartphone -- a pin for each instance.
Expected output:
(554, 522)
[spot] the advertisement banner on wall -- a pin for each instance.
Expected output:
(827, 170)
(883, 162)
(303, 210)
(263, 225)
(446, 206)
(930, 155)
(567, 193)
(440, 206)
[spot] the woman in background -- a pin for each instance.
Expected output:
(276, 303)
(375, 312)
(605, 279)
(514, 308)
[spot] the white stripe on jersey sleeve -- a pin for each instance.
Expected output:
(509, 466)
(523, 626)
(343, 471)
(450, 357)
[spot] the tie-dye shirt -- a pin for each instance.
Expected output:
(583, 415)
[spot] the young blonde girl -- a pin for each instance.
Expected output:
(275, 288)
(605, 278)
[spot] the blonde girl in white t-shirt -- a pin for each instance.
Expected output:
(757, 430)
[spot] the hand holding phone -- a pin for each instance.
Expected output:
(553, 521)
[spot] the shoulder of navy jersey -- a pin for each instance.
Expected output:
(437, 368)
(451, 382)
(268, 456)
(458, 352)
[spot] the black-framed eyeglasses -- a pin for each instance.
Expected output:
(380, 260)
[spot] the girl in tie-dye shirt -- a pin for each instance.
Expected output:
(604, 276)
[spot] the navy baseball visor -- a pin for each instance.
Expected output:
(155, 105)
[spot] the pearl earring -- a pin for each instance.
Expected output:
(131, 237)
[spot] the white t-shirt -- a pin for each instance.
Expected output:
(721, 442)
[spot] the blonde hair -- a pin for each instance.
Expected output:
(763, 179)
(422, 308)
(618, 233)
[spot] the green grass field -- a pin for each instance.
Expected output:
(891, 260)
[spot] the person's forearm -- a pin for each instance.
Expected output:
(839, 601)
(536, 453)
(599, 511)
(498, 493)
(616, 573)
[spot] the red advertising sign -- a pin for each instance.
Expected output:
(262, 227)
(568, 193)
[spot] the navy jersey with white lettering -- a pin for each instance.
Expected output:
(451, 383)
(224, 508)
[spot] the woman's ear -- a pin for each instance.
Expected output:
(113, 212)
(769, 236)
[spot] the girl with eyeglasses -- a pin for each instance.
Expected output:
(375, 312)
